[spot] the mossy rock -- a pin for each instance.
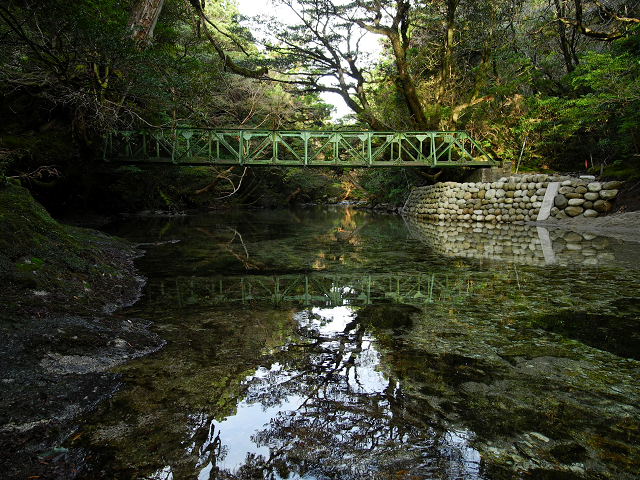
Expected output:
(45, 265)
(28, 232)
(569, 452)
(617, 334)
(621, 170)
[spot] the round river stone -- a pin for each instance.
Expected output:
(608, 194)
(573, 211)
(561, 202)
(602, 206)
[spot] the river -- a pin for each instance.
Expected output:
(328, 342)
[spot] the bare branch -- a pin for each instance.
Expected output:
(215, 182)
(613, 15)
(614, 34)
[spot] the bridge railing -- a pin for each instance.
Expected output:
(194, 146)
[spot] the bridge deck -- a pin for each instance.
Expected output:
(199, 146)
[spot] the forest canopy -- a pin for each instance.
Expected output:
(548, 83)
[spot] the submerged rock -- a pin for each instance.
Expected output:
(387, 316)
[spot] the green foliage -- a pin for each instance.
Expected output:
(315, 184)
(389, 185)
(600, 121)
(81, 59)
(164, 198)
(305, 178)
(160, 188)
(129, 169)
(5, 161)
(71, 72)
(624, 169)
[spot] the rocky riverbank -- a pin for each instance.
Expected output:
(59, 287)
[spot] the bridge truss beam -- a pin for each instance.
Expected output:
(200, 146)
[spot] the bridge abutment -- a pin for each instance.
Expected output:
(489, 174)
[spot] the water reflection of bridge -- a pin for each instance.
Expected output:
(314, 289)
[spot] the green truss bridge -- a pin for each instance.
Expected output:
(201, 146)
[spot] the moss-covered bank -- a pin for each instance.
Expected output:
(45, 265)
(58, 288)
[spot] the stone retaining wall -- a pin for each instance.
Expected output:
(520, 198)
(581, 197)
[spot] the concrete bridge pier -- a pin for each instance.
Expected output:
(489, 174)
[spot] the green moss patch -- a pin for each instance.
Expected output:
(47, 266)
(628, 170)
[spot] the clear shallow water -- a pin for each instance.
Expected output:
(330, 343)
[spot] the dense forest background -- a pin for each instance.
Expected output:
(545, 84)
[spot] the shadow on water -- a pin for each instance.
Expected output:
(335, 344)
(616, 334)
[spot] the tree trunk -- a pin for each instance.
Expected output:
(143, 20)
(562, 35)
(399, 39)
(407, 87)
(294, 194)
(446, 67)
(431, 178)
(398, 35)
(356, 184)
(226, 59)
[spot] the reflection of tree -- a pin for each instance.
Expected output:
(165, 418)
(205, 440)
(348, 230)
(338, 237)
(226, 245)
(344, 427)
